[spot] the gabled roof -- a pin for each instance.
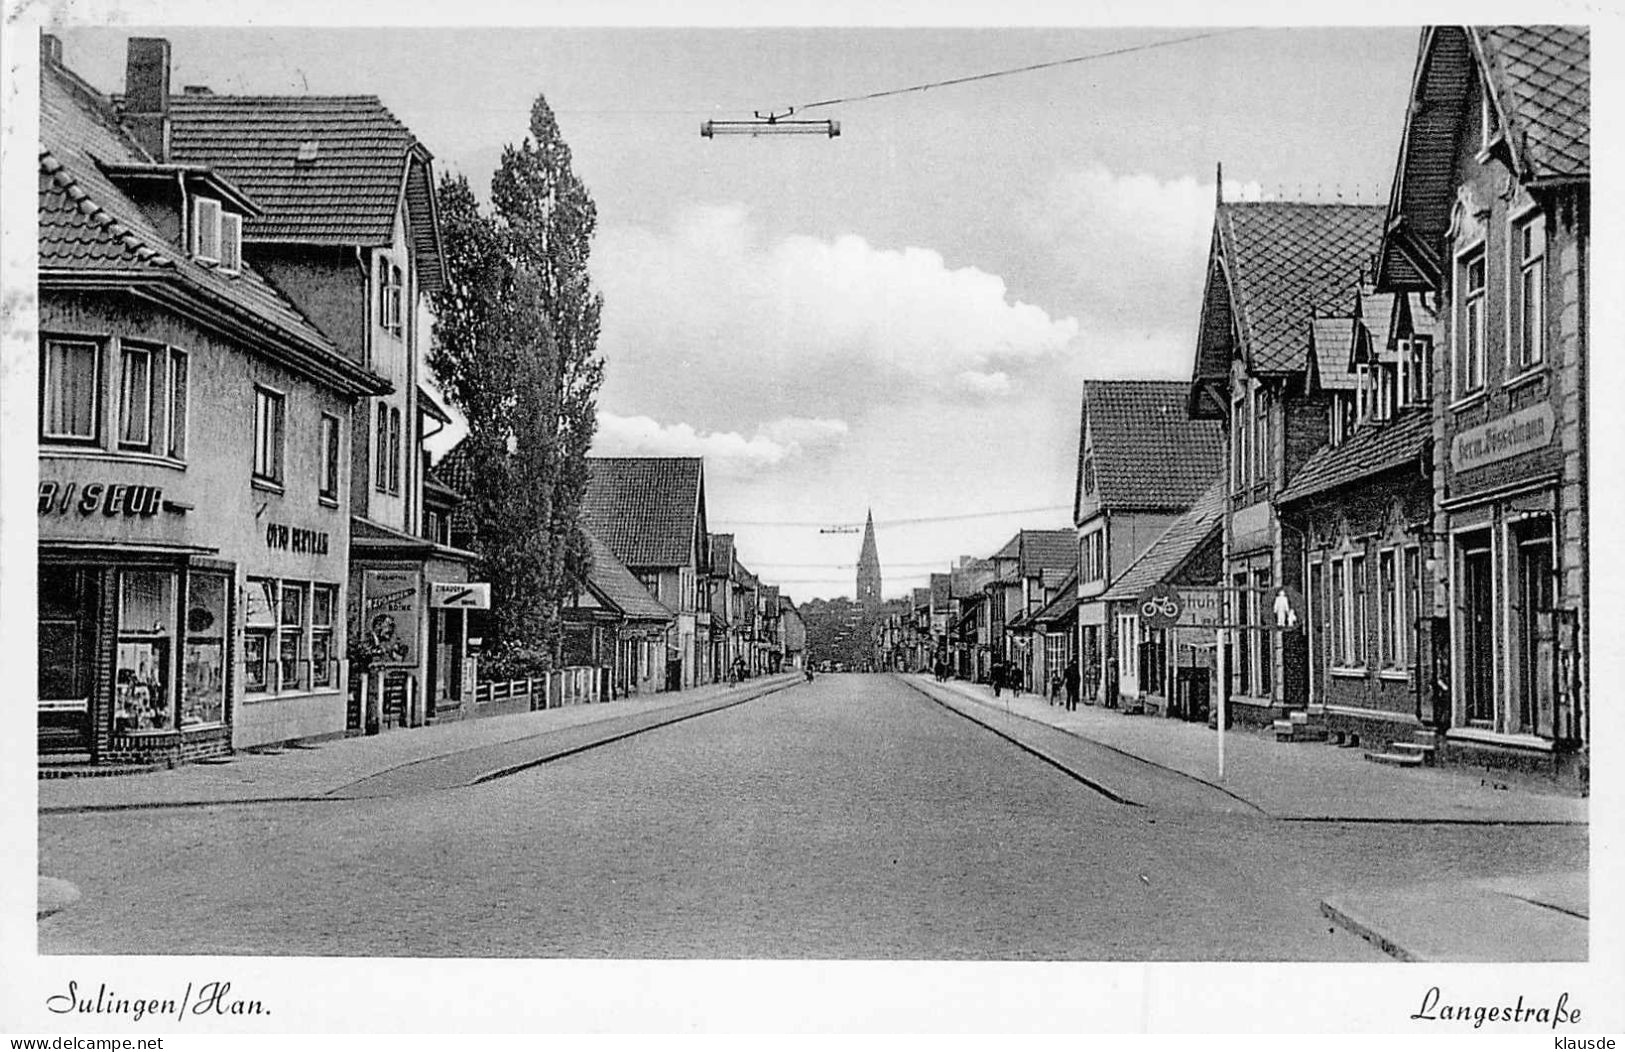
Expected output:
(722, 554)
(1331, 353)
(1148, 453)
(92, 235)
(614, 584)
(1539, 79)
(1277, 263)
(1169, 553)
(649, 510)
(1372, 449)
(456, 470)
(326, 169)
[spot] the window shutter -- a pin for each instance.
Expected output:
(231, 242)
(206, 230)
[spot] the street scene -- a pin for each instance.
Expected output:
(999, 495)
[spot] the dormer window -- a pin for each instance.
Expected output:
(217, 235)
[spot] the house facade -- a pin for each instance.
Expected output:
(1273, 266)
(1142, 461)
(349, 231)
(650, 511)
(1490, 214)
(193, 434)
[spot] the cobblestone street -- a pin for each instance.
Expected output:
(850, 818)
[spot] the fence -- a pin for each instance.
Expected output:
(577, 685)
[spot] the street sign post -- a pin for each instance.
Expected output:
(1160, 606)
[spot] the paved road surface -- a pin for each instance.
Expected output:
(853, 818)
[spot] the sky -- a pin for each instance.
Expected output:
(899, 319)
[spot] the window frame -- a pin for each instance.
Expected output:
(1521, 266)
(230, 240)
(97, 348)
(395, 451)
(1467, 362)
(178, 400)
(1360, 612)
(331, 452)
(130, 350)
(279, 400)
(298, 630)
(381, 466)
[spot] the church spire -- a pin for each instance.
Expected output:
(869, 567)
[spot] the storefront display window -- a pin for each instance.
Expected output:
(203, 687)
(259, 625)
(322, 601)
(291, 648)
(143, 700)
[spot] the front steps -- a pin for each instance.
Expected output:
(1297, 727)
(1421, 751)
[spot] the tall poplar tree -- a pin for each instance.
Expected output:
(516, 350)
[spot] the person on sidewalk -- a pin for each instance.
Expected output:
(1055, 687)
(1071, 678)
(996, 674)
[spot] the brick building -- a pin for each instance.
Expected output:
(1490, 213)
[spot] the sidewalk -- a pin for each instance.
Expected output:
(323, 770)
(1539, 917)
(1304, 781)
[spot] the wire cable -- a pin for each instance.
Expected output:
(827, 524)
(1025, 69)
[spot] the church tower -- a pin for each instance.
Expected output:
(869, 567)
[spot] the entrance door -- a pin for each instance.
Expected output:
(1478, 631)
(68, 601)
(1533, 630)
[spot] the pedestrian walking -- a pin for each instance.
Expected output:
(996, 673)
(1055, 686)
(1071, 678)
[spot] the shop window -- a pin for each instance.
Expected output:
(70, 404)
(142, 698)
(1534, 632)
(1529, 260)
(1476, 623)
(203, 686)
(323, 599)
(328, 487)
(291, 665)
(259, 628)
(135, 399)
(269, 422)
(1128, 648)
(1263, 640)
(1470, 324)
(180, 394)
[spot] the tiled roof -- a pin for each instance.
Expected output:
(611, 579)
(722, 554)
(647, 509)
(1171, 550)
(347, 194)
(1048, 550)
(1287, 260)
(1370, 450)
(457, 471)
(1148, 452)
(1333, 345)
(1062, 605)
(87, 224)
(1542, 79)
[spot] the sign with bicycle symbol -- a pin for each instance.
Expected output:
(1160, 606)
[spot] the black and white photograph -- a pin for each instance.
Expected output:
(924, 520)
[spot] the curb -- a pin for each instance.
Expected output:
(1124, 753)
(1059, 765)
(1340, 915)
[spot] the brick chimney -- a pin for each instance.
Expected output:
(146, 94)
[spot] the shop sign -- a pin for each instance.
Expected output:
(1201, 609)
(389, 617)
(460, 595)
(295, 539)
(1512, 435)
(55, 498)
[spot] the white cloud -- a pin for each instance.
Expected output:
(710, 313)
(773, 444)
(1131, 249)
(985, 384)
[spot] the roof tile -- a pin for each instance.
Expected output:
(1148, 452)
(1370, 450)
(649, 510)
(1542, 76)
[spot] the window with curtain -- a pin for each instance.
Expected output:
(328, 486)
(269, 407)
(143, 696)
(69, 400)
(135, 398)
(203, 674)
(180, 393)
